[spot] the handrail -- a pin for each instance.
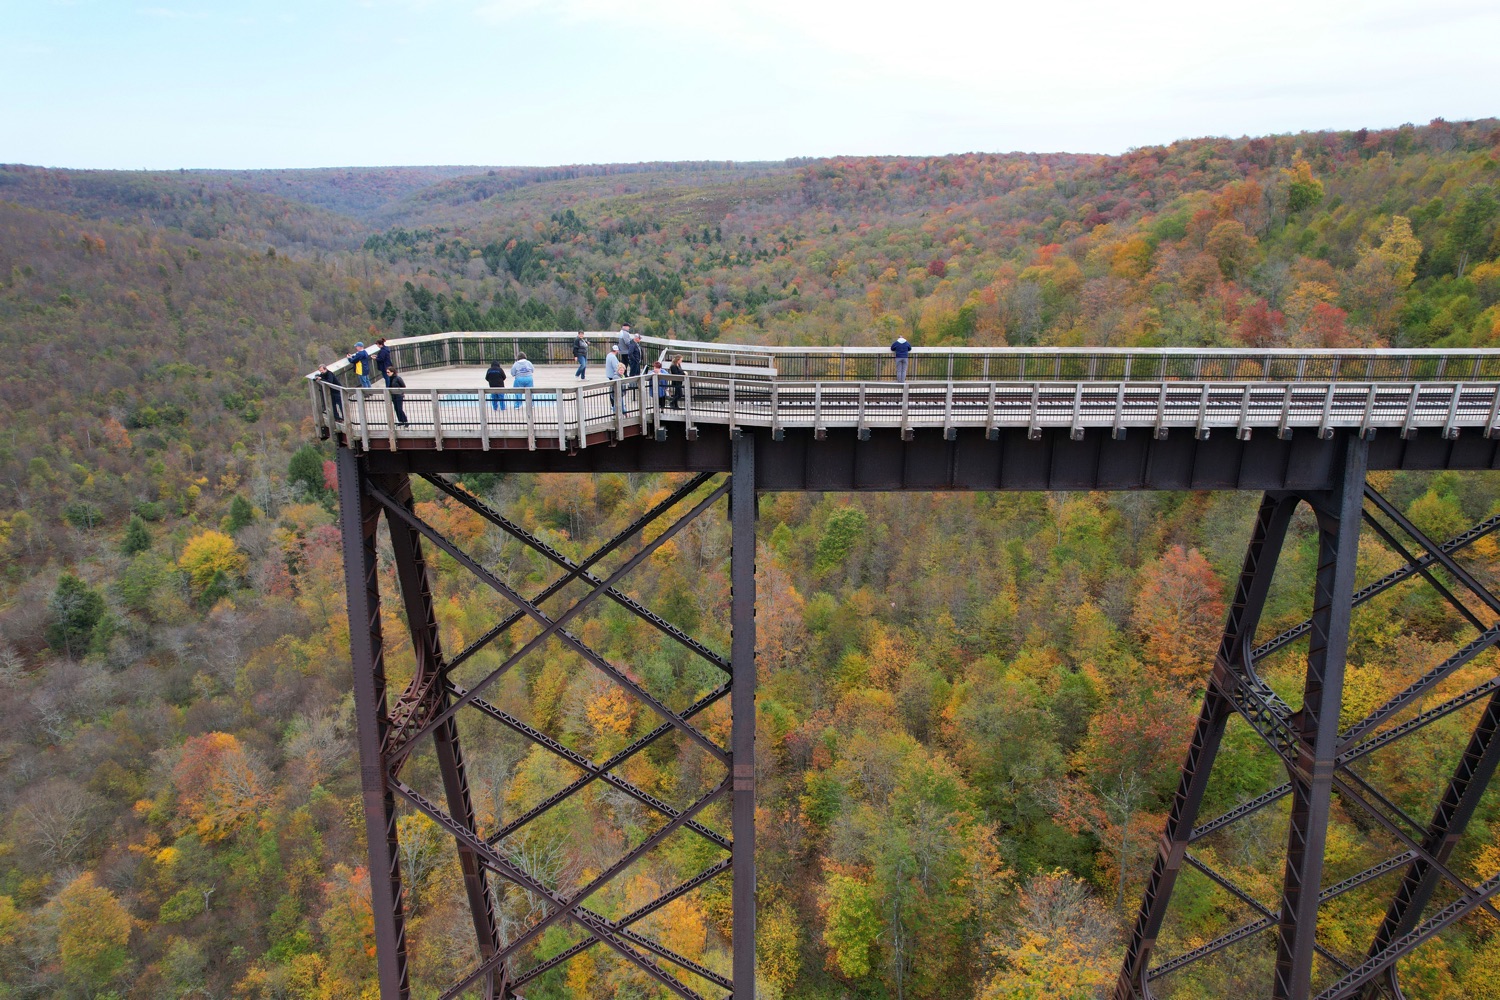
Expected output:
(564, 417)
(984, 364)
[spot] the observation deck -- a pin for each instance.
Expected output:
(966, 418)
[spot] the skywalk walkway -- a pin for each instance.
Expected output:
(1206, 393)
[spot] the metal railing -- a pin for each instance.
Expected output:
(982, 364)
(568, 416)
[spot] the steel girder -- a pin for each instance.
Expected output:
(1319, 757)
(429, 704)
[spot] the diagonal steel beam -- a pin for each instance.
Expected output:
(1349, 793)
(635, 527)
(570, 909)
(1435, 550)
(1427, 574)
(1488, 526)
(586, 765)
(1422, 685)
(575, 572)
(1268, 920)
(626, 921)
(1347, 987)
(1369, 746)
(1475, 769)
(421, 618)
(1254, 583)
(551, 626)
(1228, 885)
(713, 697)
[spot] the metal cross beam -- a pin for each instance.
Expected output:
(426, 715)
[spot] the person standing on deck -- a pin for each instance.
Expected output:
(495, 376)
(521, 375)
(637, 355)
(581, 352)
(901, 347)
(359, 360)
(623, 340)
(394, 381)
(382, 357)
(678, 374)
(612, 370)
(659, 381)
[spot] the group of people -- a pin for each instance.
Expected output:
(626, 359)
(522, 372)
(366, 366)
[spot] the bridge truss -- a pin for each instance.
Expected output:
(412, 732)
(1322, 757)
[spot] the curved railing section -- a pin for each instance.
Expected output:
(1234, 391)
(984, 364)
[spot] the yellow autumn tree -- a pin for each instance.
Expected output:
(213, 563)
(93, 932)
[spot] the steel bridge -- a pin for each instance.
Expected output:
(1302, 428)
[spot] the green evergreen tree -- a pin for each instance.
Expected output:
(306, 469)
(137, 538)
(76, 608)
(240, 513)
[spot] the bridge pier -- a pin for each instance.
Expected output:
(423, 719)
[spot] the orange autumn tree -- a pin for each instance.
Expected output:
(218, 784)
(1179, 614)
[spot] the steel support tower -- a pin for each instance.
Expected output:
(1325, 472)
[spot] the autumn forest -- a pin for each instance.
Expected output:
(972, 707)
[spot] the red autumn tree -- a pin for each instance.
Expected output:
(1179, 613)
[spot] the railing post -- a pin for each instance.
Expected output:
(364, 419)
(484, 423)
(583, 427)
(530, 420)
(437, 420)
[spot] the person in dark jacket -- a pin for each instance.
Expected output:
(394, 381)
(382, 357)
(901, 347)
(496, 379)
(581, 352)
(637, 357)
(677, 373)
(335, 391)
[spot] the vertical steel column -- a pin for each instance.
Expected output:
(421, 618)
(1339, 513)
(1239, 632)
(360, 518)
(742, 514)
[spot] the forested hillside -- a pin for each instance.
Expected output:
(972, 707)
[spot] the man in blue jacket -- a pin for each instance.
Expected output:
(901, 348)
(359, 362)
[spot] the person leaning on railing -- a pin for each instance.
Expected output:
(521, 375)
(335, 391)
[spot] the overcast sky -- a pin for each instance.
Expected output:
(317, 83)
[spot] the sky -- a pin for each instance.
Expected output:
(322, 83)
